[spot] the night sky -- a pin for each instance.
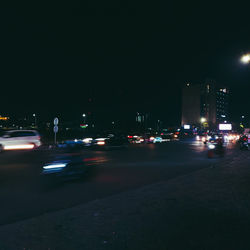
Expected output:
(117, 59)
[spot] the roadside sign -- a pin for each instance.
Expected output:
(55, 129)
(56, 121)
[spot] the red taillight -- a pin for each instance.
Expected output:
(130, 136)
(245, 139)
(90, 159)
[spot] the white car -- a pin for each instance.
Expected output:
(19, 139)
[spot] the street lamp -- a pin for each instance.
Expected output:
(203, 119)
(84, 117)
(245, 58)
(34, 115)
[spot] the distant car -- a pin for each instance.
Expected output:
(76, 143)
(109, 142)
(202, 137)
(19, 139)
(136, 139)
(157, 139)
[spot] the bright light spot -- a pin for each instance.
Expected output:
(87, 140)
(203, 119)
(211, 146)
(223, 90)
(245, 58)
(197, 138)
(101, 143)
(14, 147)
(57, 165)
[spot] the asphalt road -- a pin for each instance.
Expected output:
(23, 194)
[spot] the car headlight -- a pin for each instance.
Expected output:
(55, 166)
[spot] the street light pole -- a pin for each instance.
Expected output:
(84, 118)
(34, 115)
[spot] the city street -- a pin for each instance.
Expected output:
(23, 194)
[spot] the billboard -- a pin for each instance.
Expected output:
(186, 126)
(225, 126)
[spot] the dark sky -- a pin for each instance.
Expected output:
(125, 57)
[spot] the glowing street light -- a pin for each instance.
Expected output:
(245, 58)
(203, 119)
(34, 115)
(84, 117)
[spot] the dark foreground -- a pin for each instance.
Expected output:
(146, 197)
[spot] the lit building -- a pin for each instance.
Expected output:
(205, 104)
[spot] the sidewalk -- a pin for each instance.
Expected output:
(205, 210)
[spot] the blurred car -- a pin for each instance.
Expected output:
(68, 164)
(212, 138)
(76, 143)
(19, 139)
(202, 137)
(149, 138)
(231, 137)
(109, 142)
(157, 139)
(169, 136)
(64, 166)
(136, 139)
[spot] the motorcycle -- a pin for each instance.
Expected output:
(244, 143)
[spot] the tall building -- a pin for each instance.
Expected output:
(205, 104)
(191, 104)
